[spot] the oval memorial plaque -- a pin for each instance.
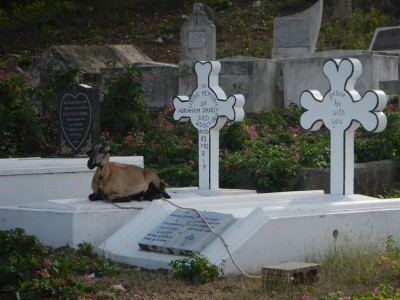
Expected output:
(75, 118)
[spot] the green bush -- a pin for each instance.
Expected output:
(196, 269)
(30, 270)
(20, 133)
(27, 129)
(124, 105)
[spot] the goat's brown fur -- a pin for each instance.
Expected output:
(114, 180)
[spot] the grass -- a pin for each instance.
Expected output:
(31, 270)
(347, 271)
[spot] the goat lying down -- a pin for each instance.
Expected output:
(118, 182)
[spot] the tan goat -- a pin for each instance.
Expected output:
(118, 182)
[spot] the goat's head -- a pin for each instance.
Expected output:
(97, 155)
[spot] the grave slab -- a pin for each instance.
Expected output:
(187, 192)
(386, 39)
(198, 36)
(88, 59)
(27, 180)
(296, 36)
(184, 232)
(68, 222)
(79, 117)
(270, 228)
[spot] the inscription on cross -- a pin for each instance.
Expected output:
(208, 109)
(342, 111)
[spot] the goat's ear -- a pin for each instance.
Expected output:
(89, 152)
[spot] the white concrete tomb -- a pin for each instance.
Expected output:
(267, 228)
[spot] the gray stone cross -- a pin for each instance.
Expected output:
(342, 111)
(208, 109)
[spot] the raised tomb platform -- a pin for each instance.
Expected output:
(267, 229)
(47, 197)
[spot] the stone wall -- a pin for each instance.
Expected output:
(371, 178)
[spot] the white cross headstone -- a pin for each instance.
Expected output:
(208, 109)
(342, 111)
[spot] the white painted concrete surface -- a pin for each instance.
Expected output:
(271, 228)
(27, 180)
(68, 221)
(75, 220)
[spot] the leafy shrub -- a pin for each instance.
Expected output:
(123, 107)
(30, 270)
(196, 269)
(19, 129)
(378, 146)
(27, 129)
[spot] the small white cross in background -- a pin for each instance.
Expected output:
(208, 109)
(342, 111)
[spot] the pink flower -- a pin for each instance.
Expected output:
(2, 74)
(293, 130)
(297, 157)
(251, 130)
(305, 296)
(357, 134)
(154, 145)
(376, 292)
(47, 263)
(128, 140)
(139, 140)
(45, 116)
(391, 107)
(43, 273)
(106, 134)
(192, 163)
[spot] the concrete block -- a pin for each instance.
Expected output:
(371, 178)
(306, 73)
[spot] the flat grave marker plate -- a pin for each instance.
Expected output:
(184, 232)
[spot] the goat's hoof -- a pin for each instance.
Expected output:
(92, 197)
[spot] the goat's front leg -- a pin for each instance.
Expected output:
(98, 196)
(95, 197)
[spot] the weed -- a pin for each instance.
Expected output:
(196, 269)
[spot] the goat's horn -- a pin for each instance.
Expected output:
(114, 152)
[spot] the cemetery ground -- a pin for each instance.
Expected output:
(38, 272)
